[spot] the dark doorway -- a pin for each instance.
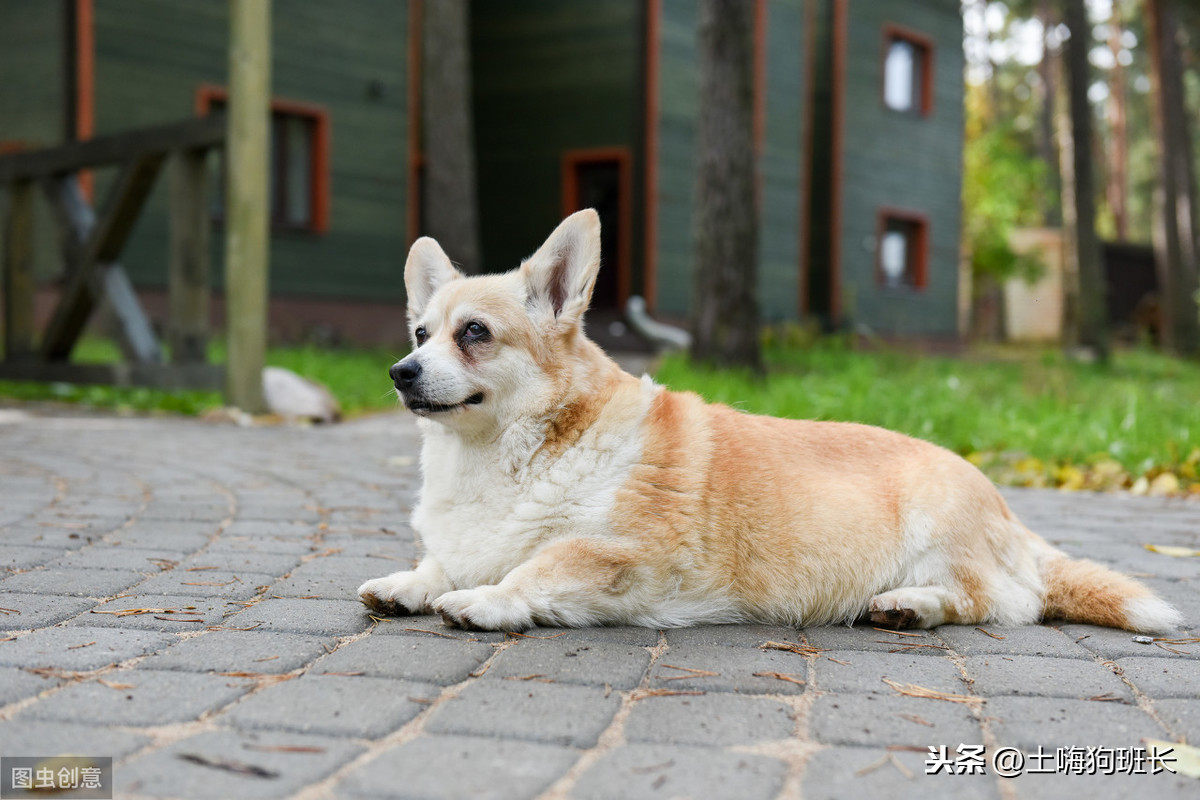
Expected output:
(599, 179)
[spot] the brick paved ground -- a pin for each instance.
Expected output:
(250, 543)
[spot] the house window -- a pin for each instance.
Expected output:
(907, 71)
(298, 172)
(902, 259)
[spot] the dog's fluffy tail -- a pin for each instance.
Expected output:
(1084, 591)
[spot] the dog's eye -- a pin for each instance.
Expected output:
(420, 335)
(475, 330)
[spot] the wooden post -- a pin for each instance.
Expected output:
(247, 204)
(18, 272)
(188, 260)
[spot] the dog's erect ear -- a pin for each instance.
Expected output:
(427, 268)
(562, 273)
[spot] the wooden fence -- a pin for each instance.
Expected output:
(93, 242)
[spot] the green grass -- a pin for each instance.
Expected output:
(357, 378)
(1026, 416)
(1142, 412)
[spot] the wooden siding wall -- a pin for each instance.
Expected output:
(549, 76)
(151, 55)
(779, 165)
(782, 160)
(902, 161)
(32, 91)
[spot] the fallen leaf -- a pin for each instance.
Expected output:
(1174, 552)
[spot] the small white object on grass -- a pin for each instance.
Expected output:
(295, 397)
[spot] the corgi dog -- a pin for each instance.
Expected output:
(561, 491)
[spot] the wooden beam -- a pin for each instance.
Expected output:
(247, 204)
(188, 258)
(18, 272)
(85, 286)
(202, 377)
(73, 156)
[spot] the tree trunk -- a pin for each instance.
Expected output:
(1081, 209)
(1117, 187)
(1177, 240)
(450, 204)
(1048, 71)
(725, 325)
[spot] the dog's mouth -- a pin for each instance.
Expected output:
(424, 408)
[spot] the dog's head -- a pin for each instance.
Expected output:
(490, 349)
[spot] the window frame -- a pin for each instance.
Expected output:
(918, 248)
(319, 190)
(924, 48)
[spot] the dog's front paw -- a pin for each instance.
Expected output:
(398, 594)
(484, 609)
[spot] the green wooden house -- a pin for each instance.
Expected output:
(858, 127)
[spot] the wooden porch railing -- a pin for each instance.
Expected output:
(93, 245)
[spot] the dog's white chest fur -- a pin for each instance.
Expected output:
(480, 516)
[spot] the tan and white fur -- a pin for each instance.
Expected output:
(561, 491)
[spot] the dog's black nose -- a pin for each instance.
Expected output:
(405, 373)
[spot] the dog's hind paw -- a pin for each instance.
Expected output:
(484, 609)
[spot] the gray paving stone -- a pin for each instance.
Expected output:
(735, 669)
(541, 712)
(18, 556)
(1027, 722)
(641, 771)
(849, 772)
(452, 767)
(72, 582)
(138, 698)
(1029, 640)
(398, 549)
(210, 583)
(37, 738)
(430, 625)
(1110, 643)
(731, 635)
(591, 664)
(883, 720)
(333, 705)
(415, 658)
(38, 610)
(80, 648)
(106, 556)
(259, 545)
(184, 537)
(863, 671)
(865, 637)
(1160, 677)
(717, 719)
(295, 760)
(58, 539)
(178, 613)
(293, 615)
(240, 560)
(241, 651)
(18, 684)
(998, 675)
(271, 528)
(1182, 715)
(638, 637)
